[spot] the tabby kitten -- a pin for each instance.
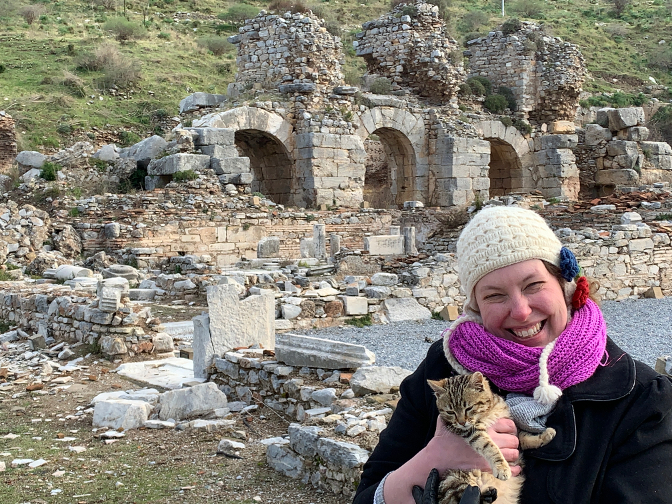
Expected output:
(468, 407)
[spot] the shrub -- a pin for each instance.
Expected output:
(620, 6)
(128, 138)
(529, 8)
(409, 10)
(216, 45)
(121, 74)
(74, 212)
(522, 126)
(510, 97)
(30, 13)
(64, 129)
(443, 6)
(529, 47)
(334, 28)
(74, 83)
(480, 86)
(381, 85)
(474, 20)
(511, 26)
(495, 103)
(660, 125)
(108, 5)
(103, 56)
(472, 36)
(164, 36)
(123, 29)
(183, 176)
(239, 12)
(283, 6)
(506, 121)
(49, 171)
(465, 89)
(2, 68)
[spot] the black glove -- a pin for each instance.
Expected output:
(430, 494)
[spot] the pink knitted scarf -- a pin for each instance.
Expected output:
(515, 368)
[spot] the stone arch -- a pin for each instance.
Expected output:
(403, 176)
(510, 158)
(268, 140)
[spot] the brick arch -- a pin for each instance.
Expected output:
(268, 141)
(252, 118)
(402, 135)
(510, 158)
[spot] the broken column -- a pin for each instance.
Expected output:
(319, 241)
(231, 323)
(409, 241)
(296, 350)
(334, 244)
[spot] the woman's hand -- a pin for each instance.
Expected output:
(450, 451)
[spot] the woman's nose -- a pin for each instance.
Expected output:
(520, 308)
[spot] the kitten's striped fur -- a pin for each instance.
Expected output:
(468, 408)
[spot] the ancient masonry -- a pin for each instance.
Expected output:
(306, 145)
(544, 73)
(7, 141)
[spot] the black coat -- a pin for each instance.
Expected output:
(613, 441)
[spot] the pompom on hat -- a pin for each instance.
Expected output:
(498, 237)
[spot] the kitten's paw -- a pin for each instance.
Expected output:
(548, 435)
(502, 471)
(489, 495)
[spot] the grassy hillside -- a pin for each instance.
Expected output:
(73, 70)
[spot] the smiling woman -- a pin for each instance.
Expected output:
(530, 328)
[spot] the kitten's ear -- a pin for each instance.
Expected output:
(478, 381)
(438, 387)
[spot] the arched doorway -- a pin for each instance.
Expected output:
(390, 169)
(506, 170)
(270, 163)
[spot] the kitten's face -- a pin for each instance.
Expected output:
(462, 400)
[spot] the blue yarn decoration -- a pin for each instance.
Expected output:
(569, 268)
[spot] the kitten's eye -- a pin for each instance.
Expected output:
(469, 410)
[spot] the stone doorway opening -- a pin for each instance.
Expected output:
(506, 169)
(271, 165)
(390, 169)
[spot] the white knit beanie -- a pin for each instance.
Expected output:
(501, 236)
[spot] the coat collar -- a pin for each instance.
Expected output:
(610, 382)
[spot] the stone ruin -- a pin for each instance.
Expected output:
(544, 73)
(7, 141)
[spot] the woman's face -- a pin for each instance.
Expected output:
(522, 303)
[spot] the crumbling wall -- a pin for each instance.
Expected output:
(544, 73)
(411, 47)
(7, 141)
(292, 53)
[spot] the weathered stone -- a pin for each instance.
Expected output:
(121, 413)
(230, 166)
(341, 454)
(303, 439)
(163, 343)
(377, 380)
(400, 309)
(191, 402)
(284, 460)
(355, 305)
(145, 150)
(268, 247)
(384, 245)
(30, 159)
(595, 134)
(112, 346)
(296, 350)
(616, 177)
(625, 117)
(387, 279)
(174, 163)
(68, 242)
(198, 100)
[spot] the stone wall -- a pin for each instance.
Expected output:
(7, 141)
(544, 73)
(58, 312)
(290, 53)
(411, 47)
(615, 152)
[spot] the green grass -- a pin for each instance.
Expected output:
(172, 63)
(360, 321)
(663, 216)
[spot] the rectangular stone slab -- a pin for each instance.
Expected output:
(297, 350)
(235, 323)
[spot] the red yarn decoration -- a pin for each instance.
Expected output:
(581, 293)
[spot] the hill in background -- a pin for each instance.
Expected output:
(115, 70)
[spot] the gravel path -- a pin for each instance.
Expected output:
(642, 327)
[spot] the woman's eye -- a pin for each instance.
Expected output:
(493, 297)
(534, 286)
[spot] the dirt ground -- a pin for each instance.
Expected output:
(144, 466)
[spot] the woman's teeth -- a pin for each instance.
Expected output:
(527, 333)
